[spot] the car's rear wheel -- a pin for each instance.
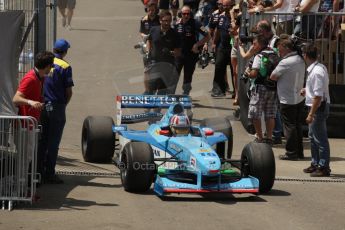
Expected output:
(257, 160)
(223, 125)
(98, 139)
(137, 167)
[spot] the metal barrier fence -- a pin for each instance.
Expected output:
(30, 8)
(323, 29)
(18, 161)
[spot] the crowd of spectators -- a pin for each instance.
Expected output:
(276, 69)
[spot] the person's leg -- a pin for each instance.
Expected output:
(62, 4)
(320, 137)
(42, 143)
(70, 6)
(234, 74)
(299, 129)
(189, 69)
(219, 72)
(288, 113)
(57, 121)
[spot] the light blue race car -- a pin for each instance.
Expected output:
(175, 155)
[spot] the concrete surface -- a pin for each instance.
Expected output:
(105, 64)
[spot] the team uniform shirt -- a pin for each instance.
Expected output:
(317, 83)
(214, 19)
(188, 33)
(146, 24)
(163, 43)
(224, 26)
(55, 84)
(32, 87)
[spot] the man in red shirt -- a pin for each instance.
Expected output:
(29, 95)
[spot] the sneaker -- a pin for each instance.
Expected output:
(69, 27)
(321, 171)
(312, 168)
(63, 21)
(257, 140)
(217, 94)
(288, 158)
(53, 179)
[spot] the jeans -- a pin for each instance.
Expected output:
(278, 127)
(292, 116)
(320, 152)
(53, 123)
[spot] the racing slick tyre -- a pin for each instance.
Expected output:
(223, 125)
(98, 139)
(137, 167)
(257, 160)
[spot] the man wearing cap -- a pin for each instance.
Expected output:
(57, 94)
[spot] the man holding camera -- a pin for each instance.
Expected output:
(264, 94)
(289, 75)
(189, 30)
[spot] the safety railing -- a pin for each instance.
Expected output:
(18, 161)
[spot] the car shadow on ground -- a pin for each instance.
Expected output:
(55, 196)
(198, 105)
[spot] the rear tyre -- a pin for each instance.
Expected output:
(137, 167)
(223, 125)
(98, 139)
(257, 160)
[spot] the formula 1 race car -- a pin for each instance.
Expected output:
(174, 154)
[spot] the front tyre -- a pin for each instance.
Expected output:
(98, 139)
(137, 167)
(257, 160)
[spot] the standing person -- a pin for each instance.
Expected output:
(189, 30)
(163, 45)
(66, 17)
(57, 94)
(264, 94)
(146, 23)
(289, 75)
(317, 99)
(306, 25)
(29, 98)
(165, 5)
(223, 34)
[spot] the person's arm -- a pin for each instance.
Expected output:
(215, 39)
(315, 105)
(68, 93)
(246, 55)
(277, 5)
(19, 99)
(307, 6)
(203, 41)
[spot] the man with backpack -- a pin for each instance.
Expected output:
(264, 92)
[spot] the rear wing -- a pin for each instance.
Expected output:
(147, 102)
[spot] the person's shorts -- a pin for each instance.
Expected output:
(63, 4)
(262, 101)
(234, 52)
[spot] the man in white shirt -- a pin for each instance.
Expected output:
(317, 99)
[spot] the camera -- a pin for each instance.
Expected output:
(204, 59)
(142, 49)
(246, 39)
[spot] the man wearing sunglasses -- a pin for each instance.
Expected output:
(189, 30)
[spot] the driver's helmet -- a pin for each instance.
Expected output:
(179, 124)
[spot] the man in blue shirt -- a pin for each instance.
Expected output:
(57, 93)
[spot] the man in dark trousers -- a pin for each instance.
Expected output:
(189, 30)
(222, 34)
(163, 45)
(57, 94)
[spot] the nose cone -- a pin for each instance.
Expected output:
(210, 163)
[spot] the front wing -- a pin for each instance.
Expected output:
(164, 186)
